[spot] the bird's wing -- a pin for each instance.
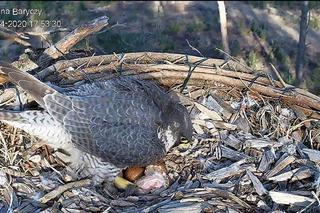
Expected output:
(128, 145)
(119, 125)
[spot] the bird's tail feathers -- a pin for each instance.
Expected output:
(29, 83)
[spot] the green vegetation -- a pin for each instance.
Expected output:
(259, 29)
(244, 30)
(196, 26)
(277, 4)
(166, 44)
(174, 28)
(283, 59)
(314, 23)
(313, 81)
(254, 60)
(235, 48)
(258, 4)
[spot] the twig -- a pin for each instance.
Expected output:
(278, 75)
(58, 191)
(113, 26)
(193, 48)
(299, 125)
(191, 69)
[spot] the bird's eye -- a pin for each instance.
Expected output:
(183, 140)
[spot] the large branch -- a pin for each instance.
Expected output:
(144, 58)
(64, 45)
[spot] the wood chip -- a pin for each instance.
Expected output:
(199, 122)
(260, 143)
(198, 129)
(229, 195)
(257, 184)
(224, 125)
(211, 114)
(234, 169)
(268, 158)
(280, 166)
(3, 178)
(232, 141)
(232, 154)
(183, 206)
(314, 155)
(121, 203)
(13, 172)
(225, 109)
(303, 173)
(284, 176)
(289, 199)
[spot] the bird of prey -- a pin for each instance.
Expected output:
(105, 126)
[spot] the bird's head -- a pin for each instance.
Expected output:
(177, 125)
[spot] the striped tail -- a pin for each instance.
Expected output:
(40, 124)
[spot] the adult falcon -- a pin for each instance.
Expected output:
(105, 126)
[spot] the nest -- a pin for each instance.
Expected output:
(255, 144)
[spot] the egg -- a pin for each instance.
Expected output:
(133, 173)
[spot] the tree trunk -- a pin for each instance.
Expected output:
(300, 73)
(223, 26)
